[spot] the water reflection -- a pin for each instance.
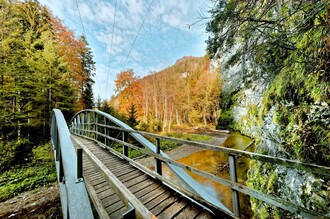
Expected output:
(217, 163)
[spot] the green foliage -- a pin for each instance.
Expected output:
(13, 153)
(39, 172)
(87, 99)
(150, 126)
(35, 75)
(189, 137)
(225, 120)
(286, 44)
(132, 116)
(168, 145)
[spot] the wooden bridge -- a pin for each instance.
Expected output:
(88, 168)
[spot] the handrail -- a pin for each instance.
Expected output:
(74, 198)
(79, 129)
(184, 177)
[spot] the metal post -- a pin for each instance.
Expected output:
(105, 130)
(75, 125)
(88, 124)
(96, 126)
(83, 123)
(108, 133)
(79, 164)
(125, 148)
(233, 177)
(158, 163)
(78, 125)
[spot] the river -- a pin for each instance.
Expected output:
(217, 163)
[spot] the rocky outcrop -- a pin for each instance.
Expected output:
(279, 123)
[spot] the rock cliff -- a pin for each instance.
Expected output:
(278, 95)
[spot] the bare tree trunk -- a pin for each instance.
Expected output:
(165, 113)
(177, 116)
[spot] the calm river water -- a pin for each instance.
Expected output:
(215, 162)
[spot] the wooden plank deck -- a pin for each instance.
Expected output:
(160, 200)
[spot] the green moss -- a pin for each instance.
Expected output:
(40, 172)
(225, 120)
(263, 213)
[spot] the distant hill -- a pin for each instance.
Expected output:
(184, 93)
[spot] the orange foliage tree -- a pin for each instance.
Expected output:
(186, 93)
(128, 90)
(73, 52)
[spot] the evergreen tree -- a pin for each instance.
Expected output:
(132, 115)
(86, 99)
(33, 78)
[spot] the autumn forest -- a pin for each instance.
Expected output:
(186, 93)
(44, 65)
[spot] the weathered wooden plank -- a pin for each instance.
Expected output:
(125, 195)
(147, 189)
(115, 168)
(96, 182)
(119, 213)
(96, 201)
(173, 209)
(159, 199)
(137, 187)
(95, 177)
(112, 163)
(119, 173)
(204, 215)
(100, 185)
(190, 211)
(102, 189)
(128, 177)
(144, 180)
(114, 207)
(156, 210)
(110, 200)
(105, 193)
(152, 194)
(135, 180)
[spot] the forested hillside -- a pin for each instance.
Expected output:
(186, 93)
(43, 65)
(273, 58)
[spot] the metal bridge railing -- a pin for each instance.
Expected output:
(88, 124)
(74, 198)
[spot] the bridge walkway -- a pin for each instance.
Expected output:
(158, 198)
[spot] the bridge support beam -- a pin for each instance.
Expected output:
(233, 178)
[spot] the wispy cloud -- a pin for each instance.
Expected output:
(164, 37)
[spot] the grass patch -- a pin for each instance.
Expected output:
(166, 145)
(189, 137)
(39, 172)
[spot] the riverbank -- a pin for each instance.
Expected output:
(182, 151)
(41, 203)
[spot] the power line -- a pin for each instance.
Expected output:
(81, 22)
(138, 33)
(113, 30)
(82, 25)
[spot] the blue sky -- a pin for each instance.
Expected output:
(163, 38)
